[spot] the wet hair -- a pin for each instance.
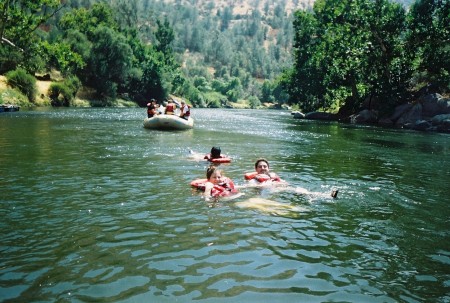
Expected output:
(261, 160)
(210, 170)
(215, 152)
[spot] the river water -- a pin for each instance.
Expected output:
(95, 208)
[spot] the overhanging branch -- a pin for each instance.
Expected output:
(4, 40)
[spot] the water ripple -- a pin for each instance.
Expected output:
(96, 208)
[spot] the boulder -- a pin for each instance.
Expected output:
(320, 116)
(385, 122)
(298, 115)
(411, 116)
(372, 103)
(440, 119)
(422, 125)
(400, 110)
(434, 104)
(364, 116)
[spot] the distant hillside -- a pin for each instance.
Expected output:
(244, 7)
(235, 36)
(251, 35)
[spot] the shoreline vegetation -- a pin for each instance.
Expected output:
(85, 97)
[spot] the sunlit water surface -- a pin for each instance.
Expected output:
(95, 208)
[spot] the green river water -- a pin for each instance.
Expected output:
(95, 208)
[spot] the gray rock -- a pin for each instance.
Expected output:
(298, 115)
(400, 110)
(320, 116)
(385, 122)
(364, 116)
(411, 116)
(434, 104)
(440, 119)
(422, 125)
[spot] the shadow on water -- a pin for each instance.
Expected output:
(386, 143)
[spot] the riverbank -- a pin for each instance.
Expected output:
(84, 98)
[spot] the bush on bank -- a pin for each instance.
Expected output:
(24, 82)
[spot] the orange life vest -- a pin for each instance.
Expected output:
(221, 159)
(170, 108)
(261, 177)
(225, 188)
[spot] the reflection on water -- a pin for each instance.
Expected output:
(97, 208)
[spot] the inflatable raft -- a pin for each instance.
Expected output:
(168, 122)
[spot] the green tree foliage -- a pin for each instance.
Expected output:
(60, 56)
(346, 51)
(118, 61)
(266, 92)
(254, 102)
(226, 16)
(164, 36)
(428, 41)
(87, 21)
(223, 44)
(62, 93)
(110, 62)
(19, 21)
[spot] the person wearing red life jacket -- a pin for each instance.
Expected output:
(262, 172)
(151, 108)
(170, 108)
(185, 111)
(218, 185)
(262, 176)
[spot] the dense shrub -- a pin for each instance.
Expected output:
(63, 93)
(24, 82)
(254, 101)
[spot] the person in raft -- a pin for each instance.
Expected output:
(263, 176)
(185, 111)
(170, 108)
(151, 108)
(217, 185)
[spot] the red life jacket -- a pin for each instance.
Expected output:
(170, 108)
(261, 177)
(221, 159)
(225, 188)
(151, 110)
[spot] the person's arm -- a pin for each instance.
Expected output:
(208, 188)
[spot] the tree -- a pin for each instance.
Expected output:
(19, 21)
(165, 36)
(226, 16)
(60, 56)
(346, 50)
(110, 62)
(87, 21)
(428, 41)
(266, 92)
